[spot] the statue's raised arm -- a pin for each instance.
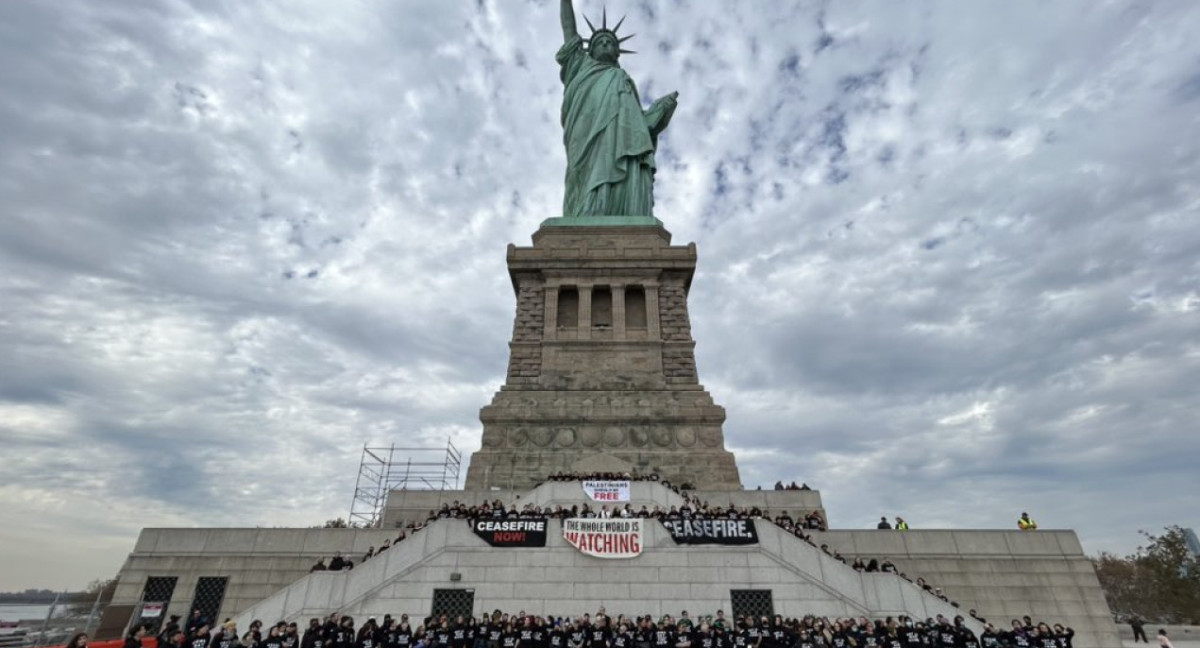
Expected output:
(567, 15)
(610, 139)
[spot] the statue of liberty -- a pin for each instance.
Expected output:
(610, 140)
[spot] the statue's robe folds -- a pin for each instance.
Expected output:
(610, 152)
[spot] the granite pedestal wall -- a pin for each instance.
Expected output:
(602, 370)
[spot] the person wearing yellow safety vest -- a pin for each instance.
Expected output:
(901, 525)
(1026, 523)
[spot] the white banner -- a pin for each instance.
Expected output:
(607, 491)
(605, 538)
(151, 610)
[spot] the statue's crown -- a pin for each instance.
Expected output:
(604, 30)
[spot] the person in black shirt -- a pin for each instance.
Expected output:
(946, 636)
(597, 636)
(495, 631)
(201, 638)
(272, 640)
(1045, 638)
(751, 635)
(990, 637)
(965, 636)
(460, 633)
(556, 637)
(930, 633)
(867, 637)
(737, 635)
(314, 636)
(622, 638)
(641, 633)
(778, 635)
(403, 636)
(178, 640)
(368, 635)
(662, 637)
(576, 634)
(225, 636)
(1018, 637)
(195, 622)
(343, 635)
(840, 637)
(1064, 636)
(483, 630)
(683, 636)
(441, 634)
(509, 638)
(134, 638)
(540, 638)
(168, 631)
(290, 636)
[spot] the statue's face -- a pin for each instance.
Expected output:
(604, 48)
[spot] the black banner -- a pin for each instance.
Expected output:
(511, 533)
(712, 531)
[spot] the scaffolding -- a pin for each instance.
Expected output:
(388, 468)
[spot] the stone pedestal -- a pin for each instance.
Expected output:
(602, 371)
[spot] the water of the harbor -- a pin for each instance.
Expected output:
(19, 611)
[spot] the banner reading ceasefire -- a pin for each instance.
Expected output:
(712, 531)
(605, 538)
(607, 491)
(511, 533)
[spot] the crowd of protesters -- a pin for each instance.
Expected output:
(500, 630)
(563, 476)
(779, 485)
(521, 630)
(339, 562)
(693, 507)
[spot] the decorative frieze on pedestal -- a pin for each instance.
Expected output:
(602, 368)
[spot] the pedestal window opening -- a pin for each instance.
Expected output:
(635, 308)
(602, 308)
(568, 307)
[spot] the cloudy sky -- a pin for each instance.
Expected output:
(949, 252)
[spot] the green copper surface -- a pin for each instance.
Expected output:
(610, 139)
(603, 221)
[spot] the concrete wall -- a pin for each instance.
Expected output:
(1000, 574)
(258, 561)
(560, 580)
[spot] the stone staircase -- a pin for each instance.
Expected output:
(559, 580)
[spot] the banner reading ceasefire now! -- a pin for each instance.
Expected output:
(605, 538)
(511, 533)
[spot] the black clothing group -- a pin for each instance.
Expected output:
(530, 632)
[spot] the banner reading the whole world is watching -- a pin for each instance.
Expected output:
(605, 538)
